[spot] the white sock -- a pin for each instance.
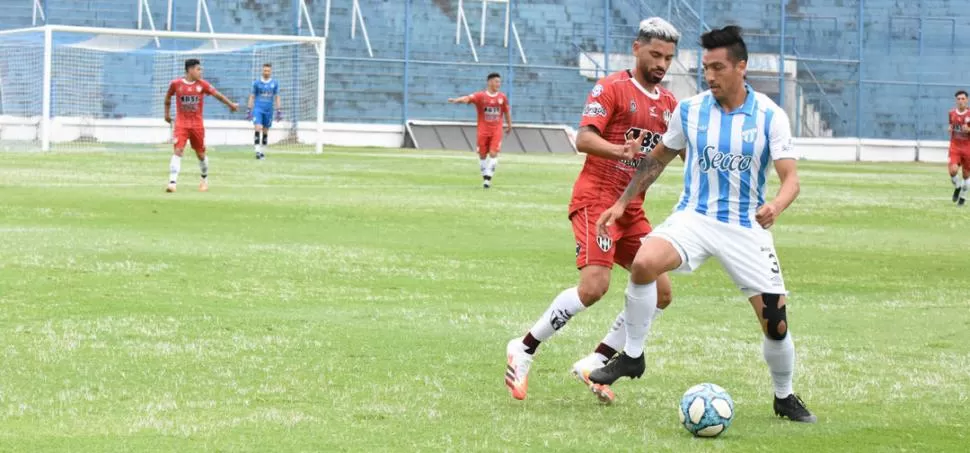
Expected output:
(563, 307)
(641, 304)
(258, 148)
(956, 181)
(482, 165)
(174, 167)
(492, 166)
(616, 337)
(780, 356)
(204, 167)
(966, 188)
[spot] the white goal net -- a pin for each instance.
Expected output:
(80, 88)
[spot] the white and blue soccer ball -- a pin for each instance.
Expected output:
(706, 410)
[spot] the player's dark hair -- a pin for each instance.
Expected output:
(191, 63)
(267, 65)
(494, 75)
(961, 92)
(728, 38)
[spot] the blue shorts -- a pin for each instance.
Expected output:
(263, 117)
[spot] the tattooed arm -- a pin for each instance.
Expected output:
(650, 168)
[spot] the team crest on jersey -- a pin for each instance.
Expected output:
(604, 242)
(501, 101)
(633, 107)
(749, 135)
(198, 89)
(597, 90)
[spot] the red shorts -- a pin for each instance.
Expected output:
(488, 143)
(194, 135)
(960, 156)
(622, 245)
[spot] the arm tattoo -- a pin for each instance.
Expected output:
(647, 172)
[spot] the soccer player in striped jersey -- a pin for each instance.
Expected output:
(732, 134)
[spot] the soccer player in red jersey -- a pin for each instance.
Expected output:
(190, 92)
(491, 105)
(625, 115)
(959, 127)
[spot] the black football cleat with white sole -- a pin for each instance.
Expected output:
(962, 202)
(956, 194)
(793, 409)
(619, 366)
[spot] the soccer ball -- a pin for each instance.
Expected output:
(706, 410)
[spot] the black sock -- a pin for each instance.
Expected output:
(530, 343)
(606, 350)
(265, 138)
(256, 140)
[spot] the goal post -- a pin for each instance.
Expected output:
(65, 88)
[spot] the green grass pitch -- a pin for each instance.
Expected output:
(361, 300)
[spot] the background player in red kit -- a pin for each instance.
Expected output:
(959, 127)
(491, 104)
(625, 116)
(190, 94)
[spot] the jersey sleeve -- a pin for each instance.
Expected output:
(255, 88)
(171, 89)
(475, 98)
(207, 88)
(675, 139)
(780, 143)
(599, 106)
(276, 89)
(505, 105)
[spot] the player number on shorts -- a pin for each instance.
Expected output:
(775, 268)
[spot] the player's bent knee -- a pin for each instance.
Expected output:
(645, 269)
(775, 315)
(592, 287)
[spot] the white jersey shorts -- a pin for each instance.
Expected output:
(747, 254)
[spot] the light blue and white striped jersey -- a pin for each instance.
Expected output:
(728, 154)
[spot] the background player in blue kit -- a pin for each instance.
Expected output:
(262, 101)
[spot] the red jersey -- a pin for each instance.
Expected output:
(189, 100)
(960, 129)
(490, 108)
(617, 104)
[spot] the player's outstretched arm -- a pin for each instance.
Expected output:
(232, 105)
(650, 168)
(787, 171)
(461, 100)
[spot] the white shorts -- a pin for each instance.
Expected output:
(747, 254)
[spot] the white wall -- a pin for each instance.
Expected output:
(236, 132)
(218, 132)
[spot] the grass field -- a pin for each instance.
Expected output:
(361, 300)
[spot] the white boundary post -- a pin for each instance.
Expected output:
(326, 20)
(508, 16)
(45, 119)
(168, 16)
(481, 41)
(321, 89)
(38, 10)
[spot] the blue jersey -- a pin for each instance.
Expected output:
(265, 91)
(728, 154)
